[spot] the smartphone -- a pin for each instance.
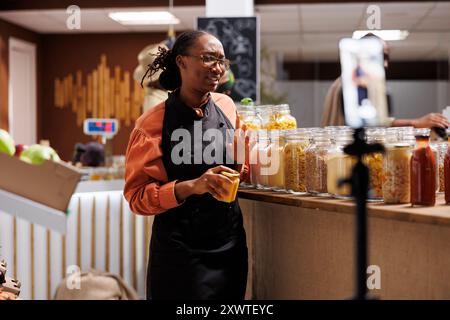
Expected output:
(363, 82)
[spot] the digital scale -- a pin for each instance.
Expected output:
(106, 129)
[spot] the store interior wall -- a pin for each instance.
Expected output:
(65, 54)
(410, 98)
(8, 30)
(59, 55)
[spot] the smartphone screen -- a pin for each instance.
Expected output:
(363, 82)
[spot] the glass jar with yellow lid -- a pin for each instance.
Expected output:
(281, 118)
(248, 118)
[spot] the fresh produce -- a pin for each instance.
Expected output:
(37, 154)
(6, 143)
(247, 102)
(19, 149)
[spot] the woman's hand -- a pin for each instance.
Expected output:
(431, 120)
(213, 182)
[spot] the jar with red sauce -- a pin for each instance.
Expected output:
(423, 170)
(447, 171)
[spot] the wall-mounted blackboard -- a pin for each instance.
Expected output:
(240, 39)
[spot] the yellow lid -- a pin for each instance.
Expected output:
(229, 174)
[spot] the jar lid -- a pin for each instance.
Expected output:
(230, 175)
(422, 132)
(281, 107)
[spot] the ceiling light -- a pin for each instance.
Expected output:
(386, 35)
(144, 17)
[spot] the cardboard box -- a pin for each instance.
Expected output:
(50, 183)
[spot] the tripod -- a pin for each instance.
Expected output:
(359, 182)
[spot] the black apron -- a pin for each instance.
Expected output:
(198, 250)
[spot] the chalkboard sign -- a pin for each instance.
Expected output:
(240, 39)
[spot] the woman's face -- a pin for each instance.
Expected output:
(195, 73)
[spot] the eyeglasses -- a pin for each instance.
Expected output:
(209, 61)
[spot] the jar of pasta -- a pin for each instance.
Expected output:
(297, 141)
(340, 164)
(375, 163)
(276, 157)
(248, 118)
(281, 118)
(316, 165)
(396, 167)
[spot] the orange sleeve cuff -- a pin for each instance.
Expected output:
(167, 198)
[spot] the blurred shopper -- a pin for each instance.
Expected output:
(333, 114)
(198, 248)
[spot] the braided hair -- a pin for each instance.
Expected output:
(170, 78)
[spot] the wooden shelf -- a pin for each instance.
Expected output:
(439, 214)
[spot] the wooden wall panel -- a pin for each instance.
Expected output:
(64, 55)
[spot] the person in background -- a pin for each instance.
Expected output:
(198, 246)
(91, 154)
(333, 114)
(79, 149)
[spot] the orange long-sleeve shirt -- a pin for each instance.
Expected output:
(147, 188)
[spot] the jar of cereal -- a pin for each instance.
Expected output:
(297, 141)
(316, 165)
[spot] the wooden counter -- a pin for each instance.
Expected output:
(303, 247)
(439, 214)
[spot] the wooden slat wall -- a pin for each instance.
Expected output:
(105, 93)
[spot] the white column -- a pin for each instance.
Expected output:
(229, 8)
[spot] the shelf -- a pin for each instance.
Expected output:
(33, 211)
(100, 186)
(438, 214)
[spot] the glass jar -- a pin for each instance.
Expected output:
(340, 164)
(232, 192)
(260, 160)
(439, 149)
(447, 171)
(276, 155)
(297, 142)
(263, 113)
(281, 119)
(423, 170)
(316, 165)
(248, 118)
(375, 163)
(396, 168)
